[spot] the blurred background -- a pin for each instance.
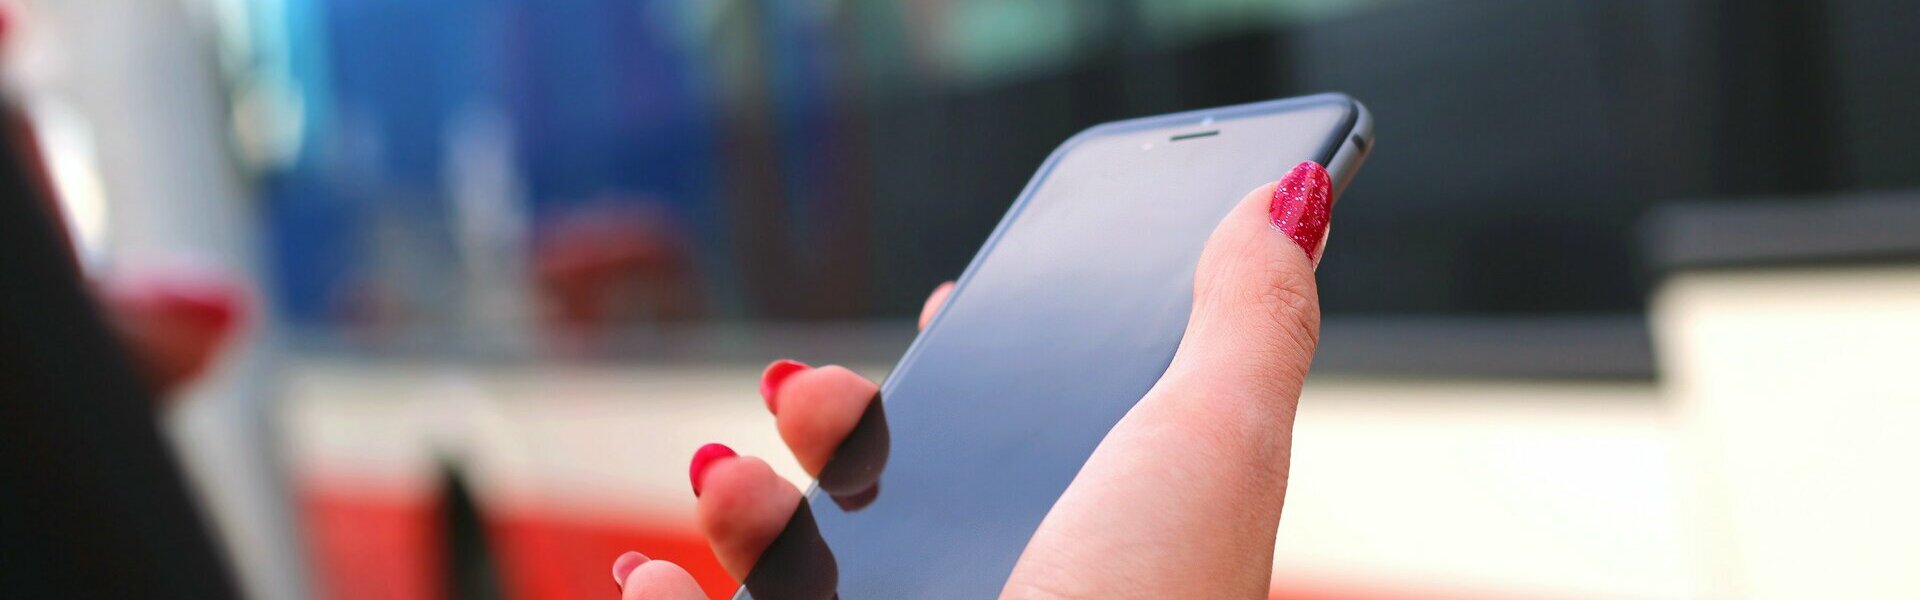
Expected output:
(1619, 308)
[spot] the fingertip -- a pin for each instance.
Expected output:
(624, 566)
(704, 460)
(775, 375)
(1256, 300)
(934, 301)
(819, 408)
(1302, 206)
(745, 505)
(660, 580)
(1249, 249)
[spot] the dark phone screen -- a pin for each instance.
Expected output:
(1065, 321)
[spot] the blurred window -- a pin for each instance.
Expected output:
(582, 166)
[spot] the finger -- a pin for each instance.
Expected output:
(934, 301)
(742, 505)
(643, 579)
(1255, 302)
(1197, 469)
(815, 409)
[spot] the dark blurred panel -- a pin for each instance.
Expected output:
(1876, 83)
(830, 160)
(1518, 140)
(948, 163)
(1774, 127)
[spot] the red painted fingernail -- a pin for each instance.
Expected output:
(1302, 204)
(704, 458)
(624, 566)
(777, 373)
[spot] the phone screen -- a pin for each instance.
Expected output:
(1066, 319)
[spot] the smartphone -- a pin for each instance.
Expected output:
(1064, 319)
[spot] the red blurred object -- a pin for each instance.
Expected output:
(368, 549)
(6, 26)
(616, 262)
(176, 323)
(547, 557)
(369, 546)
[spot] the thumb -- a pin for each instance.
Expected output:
(1256, 307)
(1196, 472)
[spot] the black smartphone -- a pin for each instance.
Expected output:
(1065, 318)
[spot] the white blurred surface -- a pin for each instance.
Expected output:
(1478, 489)
(1796, 388)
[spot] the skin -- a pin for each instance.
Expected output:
(1181, 499)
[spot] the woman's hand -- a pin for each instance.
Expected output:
(1183, 496)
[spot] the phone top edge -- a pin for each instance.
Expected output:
(1357, 121)
(1221, 113)
(1352, 149)
(1362, 122)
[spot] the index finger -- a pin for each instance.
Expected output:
(935, 300)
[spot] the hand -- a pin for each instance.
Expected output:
(1196, 471)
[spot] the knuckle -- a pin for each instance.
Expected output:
(843, 376)
(1287, 301)
(827, 374)
(1270, 315)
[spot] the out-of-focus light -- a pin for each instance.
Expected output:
(268, 123)
(67, 144)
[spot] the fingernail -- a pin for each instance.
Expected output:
(703, 459)
(624, 566)
(1302, 204)
(777, 373)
